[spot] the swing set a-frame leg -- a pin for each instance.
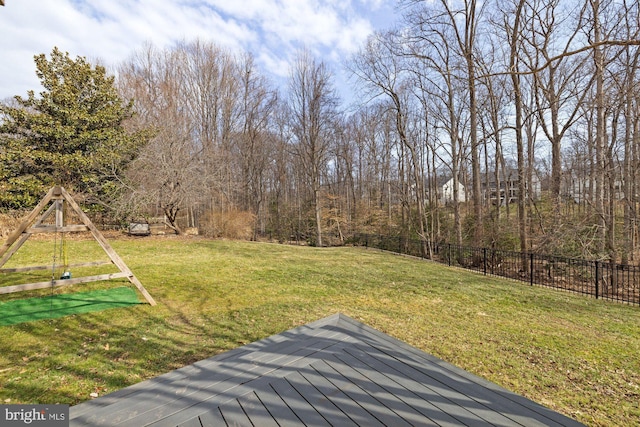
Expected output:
(115, 258)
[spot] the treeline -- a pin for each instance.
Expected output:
(511, 124)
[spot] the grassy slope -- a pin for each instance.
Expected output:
(576, 355)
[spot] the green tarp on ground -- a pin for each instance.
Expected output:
(54, 306)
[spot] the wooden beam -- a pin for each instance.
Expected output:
(25, 236)
(14, 248)
(48, 267)
(56, 229)
(133, 279)
(65, 282)
(45, 215)
(26, 222)
(59, 213)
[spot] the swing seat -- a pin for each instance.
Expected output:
(139, 229)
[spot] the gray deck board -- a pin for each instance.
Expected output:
(323, 404)
(160, 382)
(256, 411)
(194, 422)
(380, 394)
(413, 408)
(211, 418)
(374, 412)
(351, 408)
(335, 371)
(380, 412)
(476, 396)
(303, 409)
(276, 406)
(436, 404)
(525, 409)
(234, 415)
(441, 399)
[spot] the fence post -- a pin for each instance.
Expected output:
(484, 258)
(449, 255)
(597, 278)
(531, 269)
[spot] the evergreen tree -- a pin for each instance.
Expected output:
(72, 134)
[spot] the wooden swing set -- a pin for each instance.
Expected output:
(34, 223)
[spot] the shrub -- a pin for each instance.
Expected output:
(233, 224)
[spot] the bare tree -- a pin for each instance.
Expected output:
(382, 73)
(459, 21)
(560, 88)
(436, 73)
(629, 94)
(253, 142)
(168, 173)
(313, 106)
(210, 95)
(371, 129)
(514, 36)
(494, 109)
(597, 32)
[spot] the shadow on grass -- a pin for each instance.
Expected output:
(64, 360)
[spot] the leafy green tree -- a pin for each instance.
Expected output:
(72, 134)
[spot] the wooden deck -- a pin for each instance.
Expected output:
(335, 371)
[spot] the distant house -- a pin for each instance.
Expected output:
(447, 192)
(506, 189)
(577, 188)
(582, 189)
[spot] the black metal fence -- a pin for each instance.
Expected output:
(595, 278)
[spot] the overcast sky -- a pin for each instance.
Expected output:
(111, 30)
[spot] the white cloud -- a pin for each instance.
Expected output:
(332, 29)
(374, 4)
(112, 30)
(279, 66)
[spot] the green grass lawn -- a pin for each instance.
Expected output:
(574, 354)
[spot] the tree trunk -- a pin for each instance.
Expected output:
(515, 79)
(600, 145)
